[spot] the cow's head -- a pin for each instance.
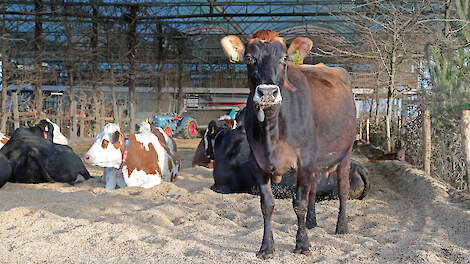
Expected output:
(107, 149)
(46, 129)
(214, 129)
(266, 56)
(59, 138)
(143, 127)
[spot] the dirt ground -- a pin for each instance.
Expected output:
(186, 222)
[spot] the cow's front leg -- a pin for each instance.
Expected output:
(110, 176)
(311, 215)
(267, 208)
(304, 181)
(120, 180)
(342, 174)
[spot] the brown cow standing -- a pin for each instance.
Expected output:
(300, 117)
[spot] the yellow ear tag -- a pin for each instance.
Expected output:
(297, 59)
(46, 128)
(212, 130)
(234, 58)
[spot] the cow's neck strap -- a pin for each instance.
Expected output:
(124, 154)
(286, 81)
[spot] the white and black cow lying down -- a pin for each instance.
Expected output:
(138, 160)
(58, 137)
(35, 158)
(230, 152)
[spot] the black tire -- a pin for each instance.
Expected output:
(190, 128)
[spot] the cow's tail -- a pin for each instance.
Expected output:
(365, 179)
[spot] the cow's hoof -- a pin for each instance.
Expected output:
(302, 250)
(265, 254)
(341, 229)
(311, 224)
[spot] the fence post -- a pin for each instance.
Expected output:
(427, 142)
(465, 129)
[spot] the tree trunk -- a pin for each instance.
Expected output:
(95, 91)
(16, 114)
(377, 100)
(465, 129)
(73, 114)
(132, 52)
(4, 76)
(180, 86)
(401, 136)
(368, 130)
(446, 18)
(427, 142)
(391, 92)
(361, 124)
(38, 42)
(102, 111)
(59, 114)
(113, 95)
(82, 114)
(160, 58)
(69, 65)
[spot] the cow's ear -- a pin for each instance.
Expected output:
(211, 127)
(298, 49)
(233, 48)
(116, 137)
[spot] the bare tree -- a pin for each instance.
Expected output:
(390, 37)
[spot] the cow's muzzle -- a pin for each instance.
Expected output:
(266, 95)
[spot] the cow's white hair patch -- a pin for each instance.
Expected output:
(59, 138)
(139, 178)
(144, 127)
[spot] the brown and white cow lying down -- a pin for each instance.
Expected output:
(142, 159)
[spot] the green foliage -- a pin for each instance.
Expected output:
(449, 70)
(450, 73)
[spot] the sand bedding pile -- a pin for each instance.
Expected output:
(405, 219)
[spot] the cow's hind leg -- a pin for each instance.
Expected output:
(311, 215)
(304, 182)
(342, 174)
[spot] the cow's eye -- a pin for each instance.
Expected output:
(283, 60)
(250, 59)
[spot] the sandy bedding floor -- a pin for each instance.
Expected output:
(186, 222)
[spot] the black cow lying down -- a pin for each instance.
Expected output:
(231, 152)
(34, 158)
(5, 168)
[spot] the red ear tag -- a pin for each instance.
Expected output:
(45, 135)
